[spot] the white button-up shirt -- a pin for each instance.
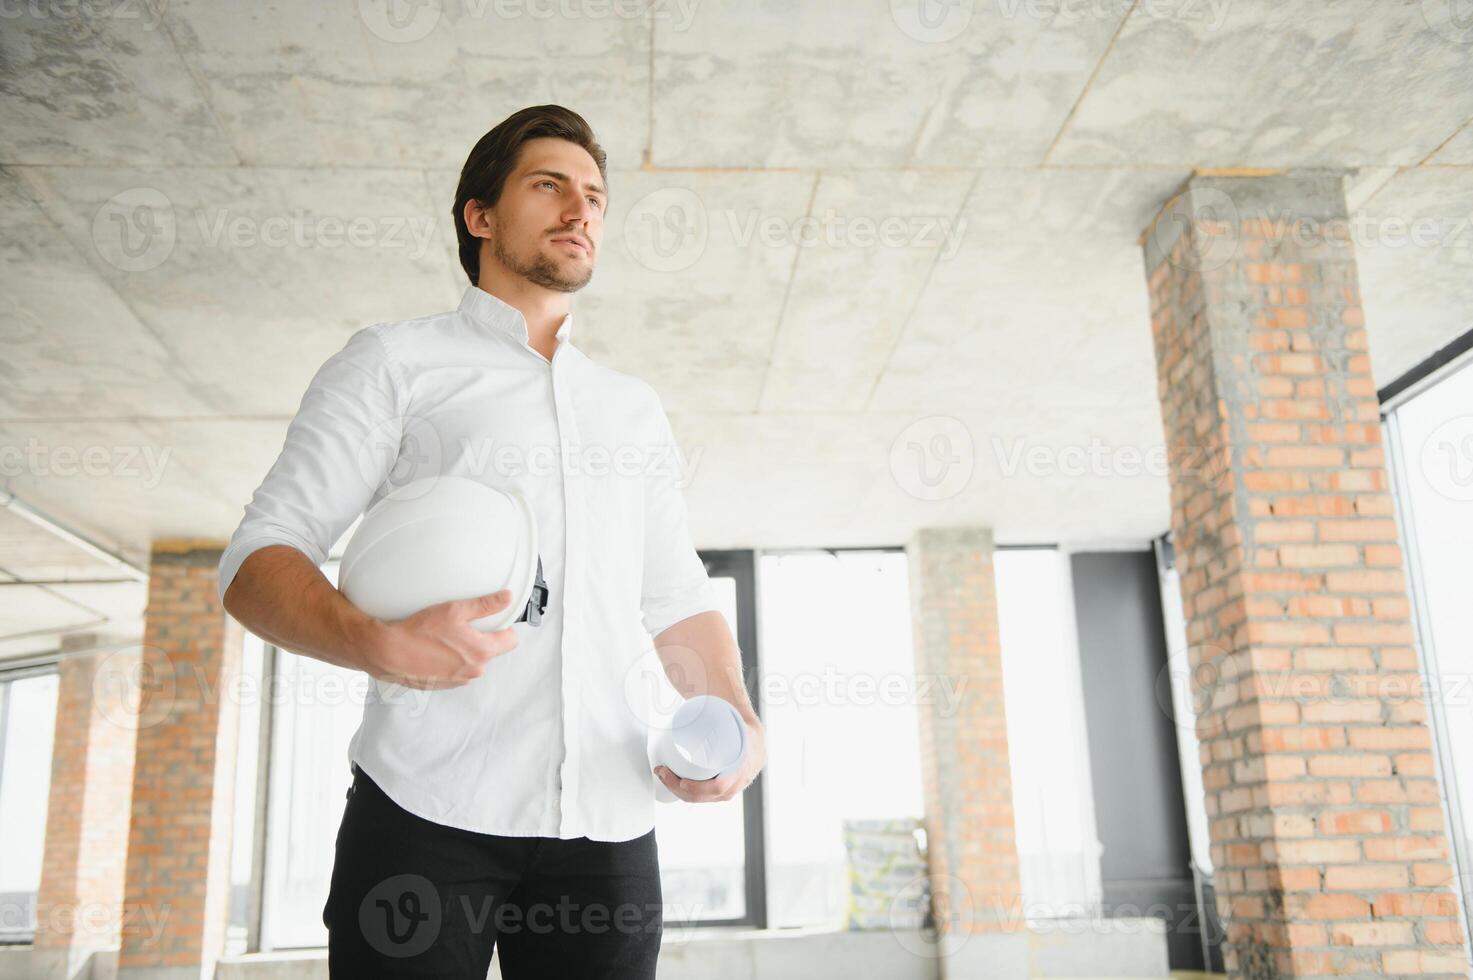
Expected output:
(550, 740)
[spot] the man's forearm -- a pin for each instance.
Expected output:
(702, 657)
(281, 596)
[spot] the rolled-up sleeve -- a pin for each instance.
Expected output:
(675, 584)
(339, 448)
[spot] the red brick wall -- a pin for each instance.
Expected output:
(79, 904)
(972, 849)
(1327, 833)
(179, 841)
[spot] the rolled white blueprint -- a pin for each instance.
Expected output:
(705, 738)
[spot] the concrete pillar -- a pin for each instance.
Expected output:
(179, 842)
(972, 850)
(79, 905)
(1328, 837)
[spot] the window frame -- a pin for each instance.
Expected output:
(9, 674)
(741, 566)
(1450, 360)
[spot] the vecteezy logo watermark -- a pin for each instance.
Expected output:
(1364, 230)
(830, 687)
(301, 229)
(857, 231)
(833, 687)
(942, 930)
(625, 461)
(137, 687)
(399, 21)
(1453, 19)
(938, 21)
(1447, 459)
(407, 21)
(673, 15)
(404, 451)
(1207, 231)
(400, 451)
(401, 916)
(1203, 465)
(93, 919)
(134, 687)
(35, 459)
(148, 12)
(1212, 13)
(1191, 683)
(666, 231)
(932, 458)
(135, 230)
(1201, 232)
(932, 21)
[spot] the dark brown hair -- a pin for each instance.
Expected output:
(495, 156)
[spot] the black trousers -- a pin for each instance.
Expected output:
(413, 898)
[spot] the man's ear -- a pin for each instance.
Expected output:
(474, 207)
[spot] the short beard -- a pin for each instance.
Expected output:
(541, 270)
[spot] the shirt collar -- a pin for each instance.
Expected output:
(495, 312)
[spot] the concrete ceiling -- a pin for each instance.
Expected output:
(180, 191)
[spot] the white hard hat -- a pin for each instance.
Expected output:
(442, 538)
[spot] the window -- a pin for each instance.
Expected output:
(1175, 695)
(292, 779)
(246, 841)
(315, 710)
(703, 847)
(1429, 435)
(1048, 757)
(27, 726)
(1181, 703)
(839, 708)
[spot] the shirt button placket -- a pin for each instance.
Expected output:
(568, 441)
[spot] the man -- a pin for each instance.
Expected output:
(507, 801)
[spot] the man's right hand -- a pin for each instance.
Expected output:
(437, 648)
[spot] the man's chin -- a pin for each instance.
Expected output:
(573, 271)
(564, 281)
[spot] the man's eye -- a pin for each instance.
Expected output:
(547, 182)
(596, 202)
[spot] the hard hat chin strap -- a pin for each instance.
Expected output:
(537, 601)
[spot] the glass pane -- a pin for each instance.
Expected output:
(1435, 469)
(1053, 811)
(316, 707)
(246, 801)
(29, 723)
(703, 848)
(1182, 705)
(839, 705)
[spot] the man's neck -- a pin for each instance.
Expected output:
(543, 309)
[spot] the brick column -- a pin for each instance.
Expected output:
(1328, 837)
(179, 844)
(972, 850)
(79, 906)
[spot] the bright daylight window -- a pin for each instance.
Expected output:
(27, 723)
(1053, 802)
(312, 709)
(1430, 438)
(838, 704)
